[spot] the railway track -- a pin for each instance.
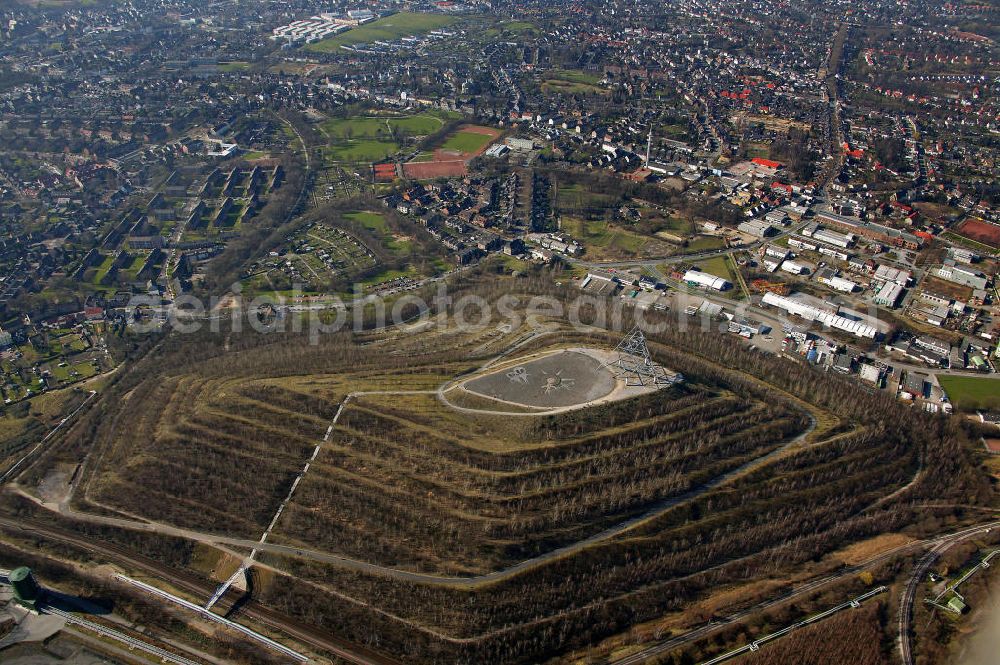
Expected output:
(938, 545)
(300, 631)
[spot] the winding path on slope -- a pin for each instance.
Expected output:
(652, 512)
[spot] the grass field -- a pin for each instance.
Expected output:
(375, 127)
(969, 393)
(233, 66)
(466, 141)
(574, 76)
(577, 197)
(376, 223)
(603, 240)
(705, 243)
(570, 88)
(373, 138)
(718, 266)
(370, 220)
(571, 81)
(388, 28)
(360, 150)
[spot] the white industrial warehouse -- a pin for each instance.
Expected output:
(812, 313)
(706, 280)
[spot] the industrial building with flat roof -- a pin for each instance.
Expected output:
(871, 230)
(813, 313)
(886, 273)
(963, 276)
(888, 295)
(706, 280)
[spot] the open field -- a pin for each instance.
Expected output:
(381, 127)
(705, 244)
(572, 82)
(720, 266)
(388, 28)
(444, 532)
(969, 393)
(980, 231)
(452, 157)
(470, 140)
(577, 197)
(357, 151)
(609, 241)
(397, 244)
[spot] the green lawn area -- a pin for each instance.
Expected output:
(370, 220)
(388, 28)
(570, 88)
(103, 269)
(571, 81)
(574, 76)
(674, 131)
(602, 239)
(363, 150)
(418, 125)
(520, 27)
(73, 372)
(705, 244)
(514, 264)
(134, 268)
(387, 275)
(378, 127)
(71, 342)
(376, 223)
(718, 266)
(969, 393)
(577, 197)
(234, 66)
(466, 141)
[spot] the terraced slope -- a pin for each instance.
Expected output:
(532, 535)
(415, 485)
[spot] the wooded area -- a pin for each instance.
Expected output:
(211, 438)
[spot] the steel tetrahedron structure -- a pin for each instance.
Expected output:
(635, 365)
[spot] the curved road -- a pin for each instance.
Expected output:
(938, 544)
(427, 578)
(652, 512)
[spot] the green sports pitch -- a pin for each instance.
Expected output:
(386, 29)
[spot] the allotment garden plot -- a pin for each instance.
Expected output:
(315, 256)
